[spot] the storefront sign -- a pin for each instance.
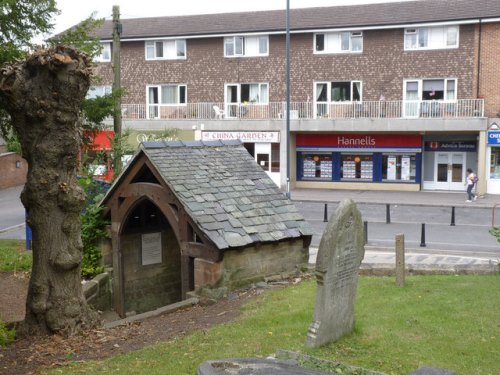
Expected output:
(351, 142)
(463, 146)
(246, 137)
(494, 138)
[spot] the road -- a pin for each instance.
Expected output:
(468, 237)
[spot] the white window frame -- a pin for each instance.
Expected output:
(430, 35)
(411, 108)
(160, 88)
(332, 42)
(248, 43)
(105, 55)
(165, 45)
(329, 91)
(98, 91)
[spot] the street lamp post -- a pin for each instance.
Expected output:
(287, 114)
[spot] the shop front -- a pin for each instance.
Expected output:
(446, 160)
(493, 161)
(263, 146)
(358, 161)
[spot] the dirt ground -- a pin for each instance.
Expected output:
(26, 356)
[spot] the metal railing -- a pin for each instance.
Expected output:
(461, 108)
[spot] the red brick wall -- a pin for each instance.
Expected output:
(9, 174)
(381, 67)
(489, 73)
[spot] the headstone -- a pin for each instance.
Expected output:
(400, 260)
(340, 253)
(253, 366)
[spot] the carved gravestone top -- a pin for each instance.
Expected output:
(340, 253)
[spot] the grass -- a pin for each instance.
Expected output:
(13, 256)
(440, 321)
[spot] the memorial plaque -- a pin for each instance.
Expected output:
(151, 248)
(340, 253)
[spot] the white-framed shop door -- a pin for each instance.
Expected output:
(449, 170)
(263, 158)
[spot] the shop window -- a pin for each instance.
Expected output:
(399, 167)
(275, 157)
(357, 167)
(317, 166)
(495, 163)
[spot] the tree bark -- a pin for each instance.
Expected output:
(43, 95)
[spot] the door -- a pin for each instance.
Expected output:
(232, 100)
(265, 157)
(450, 170)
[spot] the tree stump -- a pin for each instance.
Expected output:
(43, 95)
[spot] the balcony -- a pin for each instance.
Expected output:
(396, 109)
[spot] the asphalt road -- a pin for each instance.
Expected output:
(469, 236)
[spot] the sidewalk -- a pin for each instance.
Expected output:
(415, 198)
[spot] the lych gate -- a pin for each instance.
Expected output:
(178, 209)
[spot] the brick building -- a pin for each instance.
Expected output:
(391, 96)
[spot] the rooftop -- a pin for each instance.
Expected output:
(304, 19)
(226, 193)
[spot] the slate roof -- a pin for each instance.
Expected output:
(358, 16)
(226, 193)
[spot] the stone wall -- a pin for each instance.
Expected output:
(252, 264)
(98, 292)
(13, 170)
(148, 287)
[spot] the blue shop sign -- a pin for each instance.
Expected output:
(464, 146)
(494, 138)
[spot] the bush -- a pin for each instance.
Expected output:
(93, 227)
(6, 335)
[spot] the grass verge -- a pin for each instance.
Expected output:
(440, 321)
(13, 256)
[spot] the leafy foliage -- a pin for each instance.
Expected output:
(6, 335)
(20, 22)
(81, 36)
(495, 231)
(93, 228)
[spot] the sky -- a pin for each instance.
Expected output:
(73, 11)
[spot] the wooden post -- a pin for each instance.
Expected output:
(400, 260)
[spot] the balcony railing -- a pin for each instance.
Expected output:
(461, 108)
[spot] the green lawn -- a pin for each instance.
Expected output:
(13, 256)
(440, 321)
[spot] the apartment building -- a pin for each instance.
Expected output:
(389, 96)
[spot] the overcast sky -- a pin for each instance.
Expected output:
(74, 11)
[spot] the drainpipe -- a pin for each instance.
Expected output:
(479, 58)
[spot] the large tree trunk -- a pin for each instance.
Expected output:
(43, 96)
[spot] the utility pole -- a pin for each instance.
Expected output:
(117, 115)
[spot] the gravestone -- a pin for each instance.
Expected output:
(340, 253)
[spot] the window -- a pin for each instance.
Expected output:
(105, 55)
(239, 46)
(240, 95)
(164, 96)
(317, 166)
(422, 96)
(399, 167)
(431, 37)
(166, 49)
(495, 163)
(357, 167)
(96, 91)
(339, 42)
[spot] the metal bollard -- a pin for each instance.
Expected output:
(366, 231)
(325, 218)
(388, 214)
(422, 239)
(452, 216)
